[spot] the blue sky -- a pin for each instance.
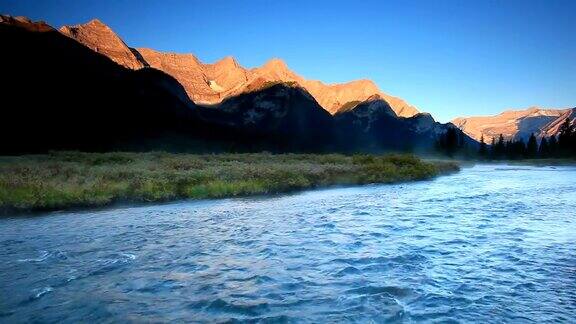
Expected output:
(449, 58)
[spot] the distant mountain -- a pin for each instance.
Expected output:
(212, 83)
(59, 94)
(515, 124)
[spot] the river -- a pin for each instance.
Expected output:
(492, 243)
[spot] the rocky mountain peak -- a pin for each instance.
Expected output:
(102, 39)
(97, 23)
(365, 83)
(227, 62)
(275, 70)
(275, 64)
(226, 76)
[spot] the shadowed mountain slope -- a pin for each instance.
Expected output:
(280, 113)
(373, 125)
(61, 95)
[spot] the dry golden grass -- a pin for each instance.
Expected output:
(70, 179)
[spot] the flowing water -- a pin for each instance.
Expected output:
(492, 243)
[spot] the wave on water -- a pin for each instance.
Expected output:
(46, 255)
(41, 292)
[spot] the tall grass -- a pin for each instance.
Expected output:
(72, 179)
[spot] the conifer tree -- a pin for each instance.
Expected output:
(519, 149)
(493, 148)
(483, 151)
(500, 147)
(544, 149)
(565, 137)
(532, 147)
(508, 149)
(552, 146)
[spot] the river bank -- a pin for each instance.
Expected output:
(64, 180)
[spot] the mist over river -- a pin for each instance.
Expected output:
(492, 243)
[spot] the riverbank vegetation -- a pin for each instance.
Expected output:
(71, 179)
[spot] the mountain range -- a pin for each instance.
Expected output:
(82, 88)
(212, 83)
(516, 124)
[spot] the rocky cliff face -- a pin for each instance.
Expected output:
(185, 68)
(100, 38)
(212, 83)
(553, 128)
(514, 124)
(25, 23)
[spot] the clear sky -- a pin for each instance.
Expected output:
(450, 57)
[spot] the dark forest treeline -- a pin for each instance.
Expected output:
(563, 145)
(453, 143)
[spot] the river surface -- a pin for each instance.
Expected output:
(492, 243)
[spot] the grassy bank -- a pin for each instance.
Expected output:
(71, 179)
